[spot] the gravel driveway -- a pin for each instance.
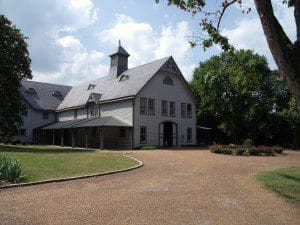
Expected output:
(173, 187)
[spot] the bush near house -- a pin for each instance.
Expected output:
(233, 149)
(10, 170)
(149, 147)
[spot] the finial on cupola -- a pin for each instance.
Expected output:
(119, 61)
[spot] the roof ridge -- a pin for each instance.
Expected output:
(32, 81)
(149, 63)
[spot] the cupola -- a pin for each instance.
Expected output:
(118, 61)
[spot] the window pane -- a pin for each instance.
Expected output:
(172, 109)
(164, 108)
(183, 110)
(143, 106)
(151, 106)
(143, 134)
(189, 110)
(189, 134)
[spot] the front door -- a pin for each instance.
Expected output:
(168, 134)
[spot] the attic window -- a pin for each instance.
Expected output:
(124, 77)
(168, 81)
(91, 87)
(56, 94)
(31, 91)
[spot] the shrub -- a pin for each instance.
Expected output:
(266, 150)
(252, 151)
(24, 143)
(149, 147)
(238, 151)
(13, 142)
(216, 148)
(232, 146)
(278, 149)
(248, 143)
(10, 170)
(18, 142)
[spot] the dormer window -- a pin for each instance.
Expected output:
(56, 94)
(31, 91)
(91, 86)
(124, 78)
(168, 81)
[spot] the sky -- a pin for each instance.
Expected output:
(70, 40)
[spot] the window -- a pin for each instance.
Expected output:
(189, 135)
(168, 81)
(143, 106)
(172, 109)
(56, 94)
(151, 106)
(183, 110)
(22, 132)
(91, 86)
(164, 108)
(94, 111)
(189, 110)
(143, 135)
(122, 133)
(31, 91)
(75, 114)
(45, 115)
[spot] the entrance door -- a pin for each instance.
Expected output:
(168, 134)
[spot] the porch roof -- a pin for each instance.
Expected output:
(108, 121)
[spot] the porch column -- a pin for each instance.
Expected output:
(101, 138)
(53, 137)
(86, 138)
(73, 138)
(62, 137)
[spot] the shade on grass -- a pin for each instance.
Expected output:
(41, 162)
(284, 181)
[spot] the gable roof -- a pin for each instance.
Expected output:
(112, 88)
(43, 96)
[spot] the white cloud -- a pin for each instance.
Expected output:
(56, 56)
(248, 33)
(144, 43)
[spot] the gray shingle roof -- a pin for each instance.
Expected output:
(43, 96)
(120, 50)
(108, 121)
(112, 88)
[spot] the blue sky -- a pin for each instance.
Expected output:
(70, 40)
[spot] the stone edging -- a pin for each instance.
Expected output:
(125, 154)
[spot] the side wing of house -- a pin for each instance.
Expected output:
(34, 119)
(172, 121)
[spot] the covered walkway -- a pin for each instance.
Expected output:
(100, 132)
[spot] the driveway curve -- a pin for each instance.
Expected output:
(173, 187)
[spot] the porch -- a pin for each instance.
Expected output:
(101, 133)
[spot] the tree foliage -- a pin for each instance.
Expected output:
(240, 98)
(14, 66)
(285, 53)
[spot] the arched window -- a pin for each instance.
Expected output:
(31, 91)
(124, 78)
(91, 86)
(168, 81)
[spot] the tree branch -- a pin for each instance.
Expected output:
(225, 6)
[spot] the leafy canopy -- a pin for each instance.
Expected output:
(240, 97)
(14, 66)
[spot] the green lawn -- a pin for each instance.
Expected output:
(284, 181)
(44, 162)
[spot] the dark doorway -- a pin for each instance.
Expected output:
(168, 134)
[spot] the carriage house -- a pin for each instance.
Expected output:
(150, 104)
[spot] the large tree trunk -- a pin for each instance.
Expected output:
(285, 53)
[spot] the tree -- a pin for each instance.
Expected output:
(240, 98)
(285, 53)
(14, 66)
